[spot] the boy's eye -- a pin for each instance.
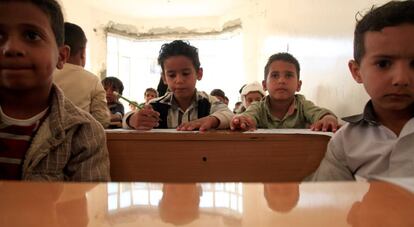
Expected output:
(32, 36)
(186, 73)
(289, 75)
(411, 62)
(274, 75)
(383, 64)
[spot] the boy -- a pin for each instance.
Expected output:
(219, 94)
(182, 107)
(282, 108)
(149, 94)
(43, 136)
(380, 141)
(116, 108)
(250, 93)
(81, 87)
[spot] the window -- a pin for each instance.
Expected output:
(221, 198)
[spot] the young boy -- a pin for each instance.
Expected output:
(250, 93)
(111, 85)
(380, 141)
(80, 86)
(182, 107)
(149, 94)
(43, 136)
(219, 94)
(282, 108)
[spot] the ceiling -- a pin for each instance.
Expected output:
(166, 8)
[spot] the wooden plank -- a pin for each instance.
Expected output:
(213, 156)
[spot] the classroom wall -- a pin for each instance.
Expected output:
(318, 32)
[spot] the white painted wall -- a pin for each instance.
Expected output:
(319, 33)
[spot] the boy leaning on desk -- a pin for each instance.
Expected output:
(380, 141)
(283, 108)
(183, 107)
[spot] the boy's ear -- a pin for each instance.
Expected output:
(354, 69)
(264, 85)
(200, 73)
(83, 56)
(64, 53)
(299, 85)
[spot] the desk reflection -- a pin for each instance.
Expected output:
(281, 197)
(176, 203)
(45, 204)
(205, 204)
(394, 211)
(179, 203)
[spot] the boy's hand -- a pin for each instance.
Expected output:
(203, 124)
(145, 119)
(244, 123)
(326, 123)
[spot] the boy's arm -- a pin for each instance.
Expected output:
(333, 166)
(320, 118)
(253, 112)
(90, 159)
(223, 114)
(99, 108)
(314, 113)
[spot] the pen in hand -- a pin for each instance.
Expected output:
(129, 101)
(134, 104)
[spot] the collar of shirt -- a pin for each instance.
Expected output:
(368, 116)
(169, 99)
(291, 109)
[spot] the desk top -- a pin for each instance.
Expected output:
(205, 204)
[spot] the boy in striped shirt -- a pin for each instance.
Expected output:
(43, 136)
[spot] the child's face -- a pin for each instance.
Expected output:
(282, 81)
(180, 76)
(252, 97)
(387, 68)
(110, 97)
(28, 49)
(150, 95)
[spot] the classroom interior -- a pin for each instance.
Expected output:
(318, 33)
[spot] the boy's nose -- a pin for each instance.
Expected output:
(179, 79)
(403, 76)
(12, 47)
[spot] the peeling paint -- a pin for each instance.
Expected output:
(169, 32)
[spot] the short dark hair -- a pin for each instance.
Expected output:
(218, 92)
(75, 38)
(150, 89)
(178, 48)
(114, 83)
(391, 14)
(53, 11)
(286, 57)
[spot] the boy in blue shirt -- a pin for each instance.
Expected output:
(182, 107)
(380, 141)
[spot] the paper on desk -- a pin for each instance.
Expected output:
(171, 130)
(291, 131)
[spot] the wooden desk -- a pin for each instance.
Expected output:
(213, 156)
(205, 204)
